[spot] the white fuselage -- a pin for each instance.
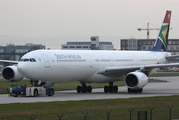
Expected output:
(78, 65)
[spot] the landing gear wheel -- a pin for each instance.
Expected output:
(115, 89)
(111, 88)
(141, 90)
(89, 89)
(78, 89)
(84, 88)
(135, 90)
(35, 93)
(129, 90)
(106, 89)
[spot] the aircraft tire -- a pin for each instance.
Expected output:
(84, 89)
(129, 90)
(111, 89)
(78, 89)
(135, 91)
(89, 89)
(115, 89)
(106, 89)
(141, 90)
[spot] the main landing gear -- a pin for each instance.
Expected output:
(111, 88)
(135, 90)
(84, 88)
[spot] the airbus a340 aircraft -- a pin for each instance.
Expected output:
(45, 67)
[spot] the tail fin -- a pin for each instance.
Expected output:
(162, 39)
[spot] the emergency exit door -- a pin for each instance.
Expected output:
(46, 60)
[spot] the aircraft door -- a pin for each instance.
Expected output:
(89, 60)
(46, 60)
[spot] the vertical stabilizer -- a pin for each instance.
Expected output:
(162, 39)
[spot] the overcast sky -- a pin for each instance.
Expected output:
(55, 18)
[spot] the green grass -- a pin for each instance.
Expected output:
(96, 109)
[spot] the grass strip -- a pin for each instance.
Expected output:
(96, 109)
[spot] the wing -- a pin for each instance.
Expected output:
(9, 61)
(172, 56)
(119, 71)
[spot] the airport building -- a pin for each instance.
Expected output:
(93, 45)
(15, 52)
(147, 44)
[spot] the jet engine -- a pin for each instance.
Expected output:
(11, 74)
(38, 83)
(136, 80)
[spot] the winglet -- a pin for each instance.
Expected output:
(162, 39)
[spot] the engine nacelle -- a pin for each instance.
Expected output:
(38, 83)
(11, 74)
(136, 80)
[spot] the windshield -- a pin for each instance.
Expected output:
(18, 87)
(27, 60)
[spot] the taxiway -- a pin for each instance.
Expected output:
(163, 86)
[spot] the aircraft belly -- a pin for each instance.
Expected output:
(97, 78)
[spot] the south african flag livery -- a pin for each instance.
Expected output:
(162, 39)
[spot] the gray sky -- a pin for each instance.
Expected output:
(81, 19)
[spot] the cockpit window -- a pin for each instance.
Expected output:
(26, 60)
(32, 60)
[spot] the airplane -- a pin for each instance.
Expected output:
(45, 67)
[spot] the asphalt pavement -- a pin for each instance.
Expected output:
(157, 86)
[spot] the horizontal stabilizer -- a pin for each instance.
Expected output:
(172, 56)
